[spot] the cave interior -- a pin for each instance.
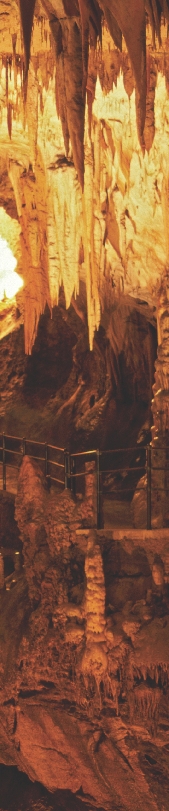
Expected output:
(84, 405)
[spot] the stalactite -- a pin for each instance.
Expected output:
(149, 128)
(27, 8)
(60, 89)
(112, 229)
(114, 29)
(157, 19)
(14, 41)
(60, 81)
(151, 18)
(7, 79)
(9, 118)
(91, 84)
(31, 205)
(128, 76)
(32, 112)
(91, 29)
(84, 12)
(73, 85)
(64, 232)
(131, 21)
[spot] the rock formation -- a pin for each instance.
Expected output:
(84, 676)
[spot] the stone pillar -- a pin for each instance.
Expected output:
(91, 491)
(160, 410)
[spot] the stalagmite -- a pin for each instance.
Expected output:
(158, 574)
(94, 661)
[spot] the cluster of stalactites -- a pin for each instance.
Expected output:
(157, 10)
(80, 22)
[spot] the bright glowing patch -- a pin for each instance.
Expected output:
(10, 281)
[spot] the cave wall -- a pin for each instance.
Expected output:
(64, 393)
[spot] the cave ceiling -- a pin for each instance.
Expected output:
(84, 135)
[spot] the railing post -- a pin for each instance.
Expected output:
(2, 578)
(23, 446)
(46, 459)
(67, 469)
(98, 487)
(72, 475)
(148, 455)
(3, 462)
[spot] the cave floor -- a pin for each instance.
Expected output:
(117, 514)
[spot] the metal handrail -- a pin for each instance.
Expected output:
(35, 442)
(6, 451)
(17, 453)
(120, 469)
(55, 448)
(119, 450)
(85, 453)
(32, 442)
(58, 464)
(71, 474)
(9, 436)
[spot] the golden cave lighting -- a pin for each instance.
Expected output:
(10, 281)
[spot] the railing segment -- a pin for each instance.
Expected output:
(69, 470)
